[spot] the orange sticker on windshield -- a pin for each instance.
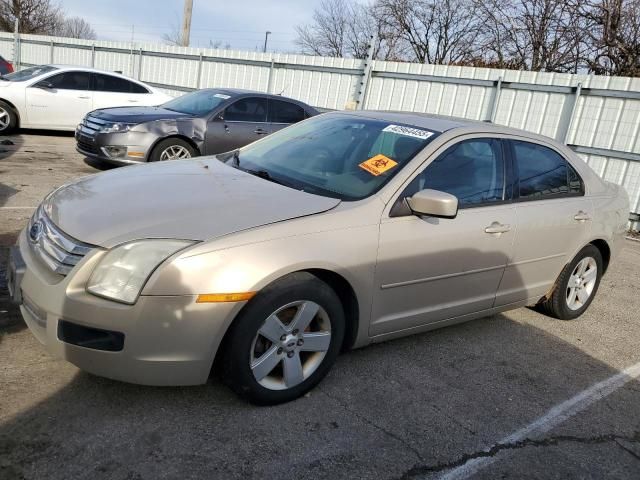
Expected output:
(378, 164)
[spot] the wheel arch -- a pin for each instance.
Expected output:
(605, 251)
(340, 285)
(175, 135)
(14, 108)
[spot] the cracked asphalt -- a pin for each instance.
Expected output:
(418, 407)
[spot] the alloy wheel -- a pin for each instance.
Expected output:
(581, 283)
(175, 152)
(290, 345)
(5, 119)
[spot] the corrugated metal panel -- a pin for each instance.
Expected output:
(541, 102)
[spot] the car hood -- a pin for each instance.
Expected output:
(137, 114)
(192, 199)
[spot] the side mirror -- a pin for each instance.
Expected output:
(218, 117)
(434, 203)
(44, 85)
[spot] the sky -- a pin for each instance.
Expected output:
(240, 23)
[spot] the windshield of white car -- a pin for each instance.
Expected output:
(197, 103)
(340, 156)
(28, 73)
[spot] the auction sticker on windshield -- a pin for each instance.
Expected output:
(378, 164)
(408, 131)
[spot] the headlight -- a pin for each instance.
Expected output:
(123, 272)
(117, 128)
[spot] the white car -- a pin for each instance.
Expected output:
(57, 97)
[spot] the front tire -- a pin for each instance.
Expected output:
(172, 149)
(8, 118)
(284, 341)
(576, 286)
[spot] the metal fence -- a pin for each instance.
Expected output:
(598, 116)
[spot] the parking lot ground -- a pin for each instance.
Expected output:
(508, 396)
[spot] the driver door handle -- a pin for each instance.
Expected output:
(260, 131)
(497, 227)
(84, 97)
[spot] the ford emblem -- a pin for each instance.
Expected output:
(35, 232)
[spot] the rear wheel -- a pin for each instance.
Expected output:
(8, 118)
(576, 286)
(172, 149)
(284, 341)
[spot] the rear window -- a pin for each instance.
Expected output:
(28, 73)
(109, 83)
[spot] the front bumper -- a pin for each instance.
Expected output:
(91, 145)
(168, 340)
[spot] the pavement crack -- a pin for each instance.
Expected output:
(373, 424)
(545, 442)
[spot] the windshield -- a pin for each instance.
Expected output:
(197, 103)
(28, 73)
(341, 156)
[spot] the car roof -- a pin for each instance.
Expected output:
(441, 124)
(240, 91)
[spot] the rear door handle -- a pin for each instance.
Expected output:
(582, 216)
(84, 97)
(260, 131)
(497, 227)
(133, 101)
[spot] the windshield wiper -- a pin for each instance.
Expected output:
(263, 174)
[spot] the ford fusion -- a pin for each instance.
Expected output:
(339, 231)
(204, 122)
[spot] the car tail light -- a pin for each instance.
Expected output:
(7, 66)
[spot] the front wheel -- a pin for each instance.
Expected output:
(172, 149)
(576, 286)
(284, 341)
(8, 118)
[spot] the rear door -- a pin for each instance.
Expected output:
(283, 113)
(552, 218)
(59, 101)
(242, 122)
(111, 91)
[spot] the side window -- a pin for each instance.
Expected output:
(69, 81)
(472, 170)
(543, 172)
(108, 83)
(251, 109)
(285, 112)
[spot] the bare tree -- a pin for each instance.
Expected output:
(613, 30)
(435, 31)
(174, 37)
(34, 16)
(76, 27)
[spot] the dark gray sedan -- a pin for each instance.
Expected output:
(204, 122)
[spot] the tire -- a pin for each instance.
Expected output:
(248, 354)
(162, 151)
(8, 118)
(565, 303)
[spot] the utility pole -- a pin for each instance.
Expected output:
(186, 22)
(266, 37)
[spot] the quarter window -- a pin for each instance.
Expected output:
(472, 170)
(285, 112)
(252, 109)
(543, 172)
(69, 81)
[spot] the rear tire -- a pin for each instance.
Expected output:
(172, 149)
(576, 286)
(284, 341)
(8, 118)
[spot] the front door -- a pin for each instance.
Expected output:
(434, 269)
(59, 101)
(242, 122)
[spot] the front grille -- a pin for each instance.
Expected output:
(93, 124)
(57, 250)
(87, 146)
